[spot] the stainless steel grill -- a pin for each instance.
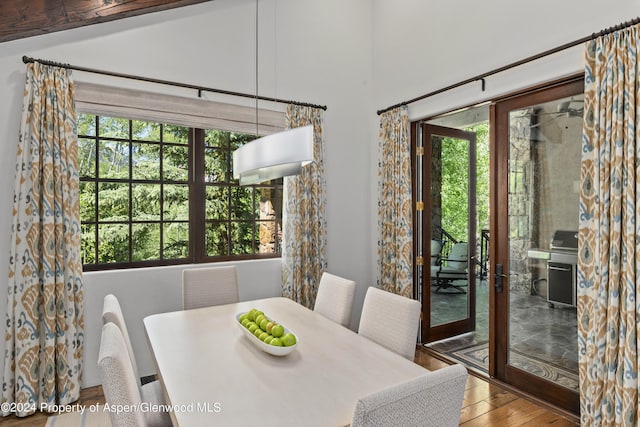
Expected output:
(562, 268)
(562, 263)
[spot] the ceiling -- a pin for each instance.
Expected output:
(20, 19)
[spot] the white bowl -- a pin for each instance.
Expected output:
(271, 349)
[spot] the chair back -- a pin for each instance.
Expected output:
(111, 312)
(119, 384)
(335, 298)
(390, 320)
(204, 287)
(458, 257)
(430, 400)
(436, 247)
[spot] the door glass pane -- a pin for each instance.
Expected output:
(449, 229)
(544, 177)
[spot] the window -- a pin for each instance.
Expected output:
(159, 194)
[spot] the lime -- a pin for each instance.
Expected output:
(277, 331)
(270, 326)
(288, 340)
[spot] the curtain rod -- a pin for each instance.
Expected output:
(200, 89)
(481, 77)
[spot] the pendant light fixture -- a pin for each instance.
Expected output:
(272, 156)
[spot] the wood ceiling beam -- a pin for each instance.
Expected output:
(26, 18)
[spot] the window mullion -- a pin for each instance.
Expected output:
(130, 191)
(197, 228)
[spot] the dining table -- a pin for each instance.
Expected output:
(212, 374)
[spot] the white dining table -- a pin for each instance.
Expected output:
(213, 375)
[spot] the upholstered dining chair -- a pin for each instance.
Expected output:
(204, 287)
(390, 320)
(112, 313)
(335, 298)
(430, 400)
(120, 386)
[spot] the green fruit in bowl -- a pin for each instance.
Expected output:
(288, 340)
(263, 336)
(251, 314)
(257, 314)
(268, 339)
(269, 326)
(252, 327)
(260, 318)
(277, 331)
(245, 322)
(276, 342)
(243, 317)
(263, 324)
(257, 332)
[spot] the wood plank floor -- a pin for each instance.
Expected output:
(484, 404)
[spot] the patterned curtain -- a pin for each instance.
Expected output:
(45, 323)
(609, 233)
(395, 226)
(304, 226)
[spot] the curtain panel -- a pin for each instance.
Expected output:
(395, 221)
(44, 328)
(609, 233)
(304, 240)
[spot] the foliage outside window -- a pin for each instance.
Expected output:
(455, 178)
(158, 194)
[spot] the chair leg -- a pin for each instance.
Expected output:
(448, 284)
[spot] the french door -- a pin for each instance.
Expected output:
(535, 157)
(445, 229)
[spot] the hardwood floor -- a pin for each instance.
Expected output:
(484, 404)
(88, 396)
(487, 404)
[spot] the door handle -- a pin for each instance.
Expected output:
(498, 277)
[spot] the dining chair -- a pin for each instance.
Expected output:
(430, 400)
(390, 320)
(335, 298)
(120, 386)
(112, 313)
(204, 287)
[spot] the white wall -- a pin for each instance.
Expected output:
(316, 55)
(423, 46)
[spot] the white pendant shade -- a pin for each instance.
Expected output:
(274, 156)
